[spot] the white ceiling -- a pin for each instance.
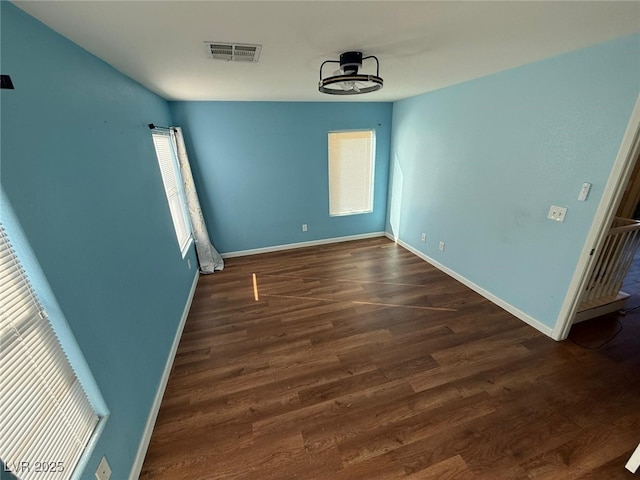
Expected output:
(421, 45)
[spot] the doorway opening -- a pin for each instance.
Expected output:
(607, 290)
(590, 265)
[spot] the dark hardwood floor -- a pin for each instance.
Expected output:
(631, 284)
(361, 361)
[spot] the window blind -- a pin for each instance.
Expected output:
(165, 152)
(351, 168)
(46, 420)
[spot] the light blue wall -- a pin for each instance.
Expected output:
(261, 169)
(79, 168)
(478, 165)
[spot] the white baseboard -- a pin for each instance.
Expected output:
(476, 288)
(155, 408)
(289, 246)
(634, 462)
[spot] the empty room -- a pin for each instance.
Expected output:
(319, 240)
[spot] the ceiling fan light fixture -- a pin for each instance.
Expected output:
(347, 80)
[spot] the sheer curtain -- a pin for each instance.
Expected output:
(208, 257)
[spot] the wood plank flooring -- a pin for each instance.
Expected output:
(361, 361)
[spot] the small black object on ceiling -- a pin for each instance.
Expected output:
(5, 82)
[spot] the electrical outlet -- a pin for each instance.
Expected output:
(557, 213)
(304, 227)
(423, 237)
(104, 471)
(441, 247)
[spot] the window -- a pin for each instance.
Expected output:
(46, 420)
(351, 168)
(166, 153)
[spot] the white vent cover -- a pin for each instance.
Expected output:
(233, 52)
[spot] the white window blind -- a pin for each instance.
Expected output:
(351, 169)
(46, 420)
(165, 151)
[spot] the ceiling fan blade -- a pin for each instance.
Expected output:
(350, 86)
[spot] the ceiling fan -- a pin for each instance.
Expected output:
(346, 80)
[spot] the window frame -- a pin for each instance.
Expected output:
(174, 190)
(49, 311)
(371, 161)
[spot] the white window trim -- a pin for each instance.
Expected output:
(369, 209)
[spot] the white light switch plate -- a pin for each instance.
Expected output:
(584, 191)
(104, 471)
(557, 213)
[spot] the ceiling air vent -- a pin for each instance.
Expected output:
(233, 52)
